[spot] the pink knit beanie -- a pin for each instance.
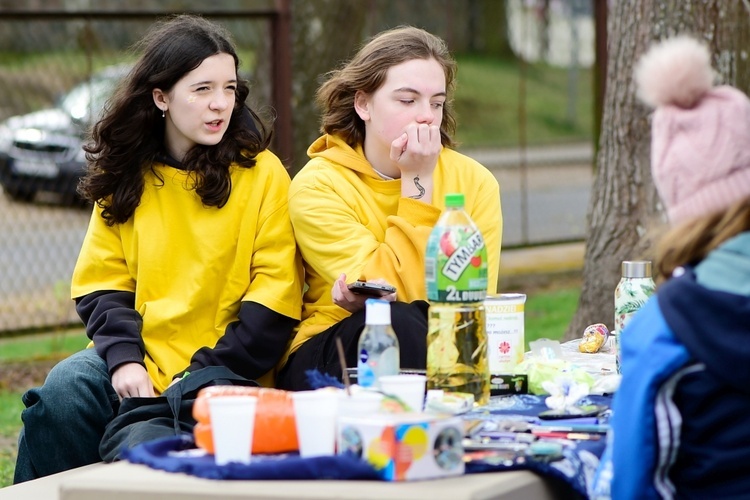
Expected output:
(700, 134)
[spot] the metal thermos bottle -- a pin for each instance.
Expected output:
(632, 293)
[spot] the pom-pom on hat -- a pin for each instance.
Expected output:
(700, 134)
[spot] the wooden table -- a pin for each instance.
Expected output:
(124, 480)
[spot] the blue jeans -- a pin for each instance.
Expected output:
(64, 419)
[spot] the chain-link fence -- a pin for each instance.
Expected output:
(56, 71)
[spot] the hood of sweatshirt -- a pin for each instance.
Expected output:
(336, 150)
(708, 309)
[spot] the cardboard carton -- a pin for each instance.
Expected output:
(406, 446)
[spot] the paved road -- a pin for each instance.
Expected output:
(39, 242)
(553, 205)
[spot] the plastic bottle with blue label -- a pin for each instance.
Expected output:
(378, 345)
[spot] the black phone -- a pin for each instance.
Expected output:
(372, 289)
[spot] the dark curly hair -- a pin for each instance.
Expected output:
(130, 135)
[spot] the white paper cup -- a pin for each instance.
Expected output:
(409, 388)
(315, 415)
(232, 425)
(359, 403)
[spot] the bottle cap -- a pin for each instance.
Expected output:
(636, 269)
(377, 312)
(454, 200)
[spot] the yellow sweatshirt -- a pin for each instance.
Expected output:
(347, 219)
(190, 267)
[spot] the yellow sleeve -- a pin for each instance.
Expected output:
(276, 269)
(340, 231)
(101, 262)
(400, 259)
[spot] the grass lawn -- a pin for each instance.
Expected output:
(490, 110)
(42, 346)
(10, 424)
(547, 314)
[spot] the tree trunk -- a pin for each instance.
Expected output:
(492, 29)
(624, 211)
(324, 34)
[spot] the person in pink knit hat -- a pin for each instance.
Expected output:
(679, 425)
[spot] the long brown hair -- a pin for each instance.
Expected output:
(367, 71)
(130, 135)
(691, 241)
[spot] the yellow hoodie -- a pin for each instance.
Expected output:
(347, 219)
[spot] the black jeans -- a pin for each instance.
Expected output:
(409, 321)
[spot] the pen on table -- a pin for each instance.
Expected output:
(472, 445)
(582, 436)
(561, 422)
(504, 436)
(596, 428)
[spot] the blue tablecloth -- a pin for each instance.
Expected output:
(580, 458)
(576, 468)
(178, 454)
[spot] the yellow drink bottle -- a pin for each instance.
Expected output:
(456, 279)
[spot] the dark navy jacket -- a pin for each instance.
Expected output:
(681, 416)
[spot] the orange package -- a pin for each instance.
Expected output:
(274, 431)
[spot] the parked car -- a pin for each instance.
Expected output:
(42, 151)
